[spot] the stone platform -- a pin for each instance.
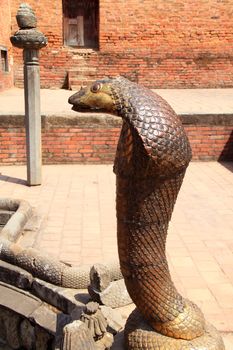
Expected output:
(70, 137)
(184, 101)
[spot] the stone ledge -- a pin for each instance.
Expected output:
(15, 276)
(5, 216)
(106, 120)
(29, 306)
(14, 226)
(63, 299)
(27, 322)
(207, 119)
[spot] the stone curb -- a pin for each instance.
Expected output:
(41, 265)
(59, 297)
(23, 211)
(106, 120)
(28, 306)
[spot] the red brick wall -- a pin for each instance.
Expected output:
(211, 142)
(76, 144)
(80, 145)
(161, 44)
(6, 78)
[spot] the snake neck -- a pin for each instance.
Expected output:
(152, 134)
(144, 208)
(151, 159)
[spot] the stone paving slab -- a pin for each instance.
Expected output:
(77, 206)
(184, 101)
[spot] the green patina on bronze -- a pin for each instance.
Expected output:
(151, 159)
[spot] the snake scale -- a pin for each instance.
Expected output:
(152, 155)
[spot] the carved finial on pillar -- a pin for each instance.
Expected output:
(26, 17)
(28, 37)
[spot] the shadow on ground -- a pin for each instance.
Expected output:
(11, 179)
(227, 152)
(228, 165)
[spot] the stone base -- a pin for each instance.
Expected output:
(19, 333)
(140, 336)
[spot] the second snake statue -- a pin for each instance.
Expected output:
(152, 156)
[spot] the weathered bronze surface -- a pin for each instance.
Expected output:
(151, 159)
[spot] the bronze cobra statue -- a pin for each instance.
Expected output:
(152, 155)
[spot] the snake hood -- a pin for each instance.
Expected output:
(146, 116)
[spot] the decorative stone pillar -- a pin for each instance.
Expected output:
(76, 336)
(31, 41)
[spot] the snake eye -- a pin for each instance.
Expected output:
(96, 87)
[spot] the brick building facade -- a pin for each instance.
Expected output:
(6, 64)
(161, 44)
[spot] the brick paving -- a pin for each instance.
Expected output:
(77, 204)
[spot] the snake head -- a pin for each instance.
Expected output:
(96, 97)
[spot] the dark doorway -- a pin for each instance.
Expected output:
(81, 23)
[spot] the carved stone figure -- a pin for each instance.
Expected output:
(107, 288)
(89, 333)
(95, 320)
(152, 156)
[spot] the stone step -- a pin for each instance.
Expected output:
(84, 68)
(80, 77)
(77, 84)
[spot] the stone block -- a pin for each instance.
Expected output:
(115, 295)
(11, 324)
(105, 343)
(18, 300)
(43, 339)
(28, 306)
(15, 275)
(100, 277)
(77, 337)
(27, 334)
(59, 297)
(114, 319)
(5, 215)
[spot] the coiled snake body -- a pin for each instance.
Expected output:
(151, 159)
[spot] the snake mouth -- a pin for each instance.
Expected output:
(80, 108)
(85, 109)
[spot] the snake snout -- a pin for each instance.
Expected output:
(74, 99)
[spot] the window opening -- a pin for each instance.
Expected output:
(81, 23)
(4, 59)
